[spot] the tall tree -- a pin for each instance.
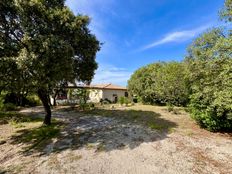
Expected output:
(48, 42)
(210, 60)
(142, 81)
(160, 83)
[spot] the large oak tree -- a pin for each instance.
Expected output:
(42, 43)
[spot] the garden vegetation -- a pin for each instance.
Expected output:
(202, 81)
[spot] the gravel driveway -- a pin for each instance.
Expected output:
(92, 144)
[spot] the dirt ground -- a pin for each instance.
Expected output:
(95, 143)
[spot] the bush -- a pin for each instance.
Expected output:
(9, 107)
(210, 120)
(122, 100)
(33, 100)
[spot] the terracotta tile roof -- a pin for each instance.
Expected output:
(108, 86)
(100, 86)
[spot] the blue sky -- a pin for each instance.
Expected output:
(138, 32)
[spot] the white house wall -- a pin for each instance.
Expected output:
(96, 95)
(108, 93)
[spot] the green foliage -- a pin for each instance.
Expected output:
(127, 101)
(204, 78)
(226, 12)
(209, 62)
(141, 83)
(160, 83)
(1, 101)
(210, 120)
(33, 100)
(42, 44)
(122, 100)
(8, 100)
(6, 106)
(9, 107)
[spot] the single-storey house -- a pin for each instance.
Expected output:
(107, 92)
(98, 92)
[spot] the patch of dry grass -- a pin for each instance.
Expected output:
(147, 118)
(15, 118)
(35, 138)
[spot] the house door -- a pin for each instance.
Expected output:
(115, 98)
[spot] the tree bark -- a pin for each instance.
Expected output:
(54, 102)
(54, 98)
(44, 97)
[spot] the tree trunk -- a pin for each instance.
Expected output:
(43, 95)
(54, 98)
(54, 102)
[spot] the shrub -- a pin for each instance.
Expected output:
(8, 107)
(33, 100)
(211, 121)
(122, 100)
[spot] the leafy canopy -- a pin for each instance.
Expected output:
(47, 41)
(43, 44)
(160, 83)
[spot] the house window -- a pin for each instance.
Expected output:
(126, 94)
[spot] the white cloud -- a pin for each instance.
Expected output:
(178, 36)
(111, 74)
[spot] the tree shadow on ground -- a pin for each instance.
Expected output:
(15, 117)
(98, 129)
